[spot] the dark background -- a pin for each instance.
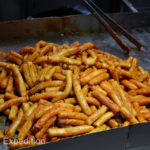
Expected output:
(22, 9)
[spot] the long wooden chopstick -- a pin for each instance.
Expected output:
(117, 26)
(94, 9)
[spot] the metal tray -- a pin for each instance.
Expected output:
(84, 28)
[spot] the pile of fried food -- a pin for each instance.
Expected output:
(52, 91)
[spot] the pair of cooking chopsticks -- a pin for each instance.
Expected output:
(108, 23)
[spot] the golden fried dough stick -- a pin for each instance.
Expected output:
(30, 110)
(93, 108)
(57, 59)
(123, 96)
(59, 76)
(129, 85)
(40, 133)
(106, 101)
(139, 84)
(144, 91)
(32, 72)
(68, 52)
(72, 115)
(44, 118)
(71, 100)
(67, 88)
(96, 115)
(14, 59)
(91, 75)
(126, 123)
(19, 83)
(51, 71)
(124, 73)
(26, 50)
(143, 101)
(13, 112)
(44, 95)
(80, 97)
(25, 107)
(13, 127)
(72, 122)
(16, 54)
(46, 49)
(99, 78)
(143, 77)
(26, 73)
(85, 90)
(11, 102)
(56, 89)
(86, 46)
(28, 124)
(104, 118)
(91, 60)
(72, 131)
(111, 92)
(10, 85)
(139, 115)
(98, 88)
(86, 72)
(44, 102)
(133, 65)
(42, 73)
(93, 101)
(130, 117)
(43, 85)
(113, 123)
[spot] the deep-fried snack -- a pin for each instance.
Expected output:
(103, 119)
(72, 115)
(51, 92)
(43, 85)
(106, 101)
(73, 122)
(10, 85)
(12, 129)
(72, 131)
(20, 86)
(44, 95)
(81, 99)
(96, 115)
(13, 112)
(99, 78)
(129, 85)
(91, 75)
(67, 88)
(111, 92)
(11, 102)
(93, 108)
(40, 133)
(57, 59)
(113, 123)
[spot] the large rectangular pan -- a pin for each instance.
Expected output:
(17, 34)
